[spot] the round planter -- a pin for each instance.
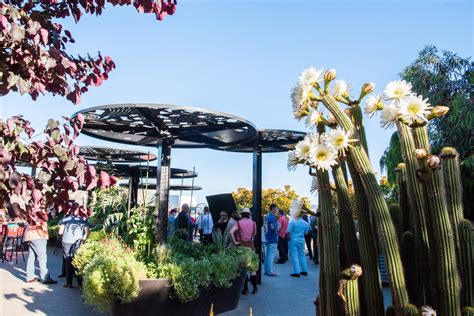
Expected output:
(154, 299)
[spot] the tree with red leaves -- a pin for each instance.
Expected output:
(33, 57)
(60, 169)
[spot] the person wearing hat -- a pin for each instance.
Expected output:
(297, 229)
(242, 235)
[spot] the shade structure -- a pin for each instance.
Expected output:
(152, 186)
(165, 126)
(142, 171)
(109, 154)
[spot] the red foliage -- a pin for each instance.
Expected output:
(33, 57)
(59, 168)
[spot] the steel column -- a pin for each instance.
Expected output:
(257, 205)
(162, 189)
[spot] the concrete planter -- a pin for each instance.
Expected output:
(154, 299)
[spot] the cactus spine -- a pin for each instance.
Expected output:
(448, 287)
(349, 290)
(329, 269)
(346, 220)
(376, 199)
(397, 218)
(466, 241)
(408, 220)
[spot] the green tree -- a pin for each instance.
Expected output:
(282, 198)
(391, 157)
(447, 79)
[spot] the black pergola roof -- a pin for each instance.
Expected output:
(152, 186)
(127, 170)
(270, 141)
(145, 124)
(115, 154)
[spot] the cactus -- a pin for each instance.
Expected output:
(417, 206)
(346, 220)
(378, 205)
(407, 310)
(349, 290)
(466, 241)
(329, 269)
(447, 277)
(397, 218)
(410, 259)
(468, 311)
(408, 220)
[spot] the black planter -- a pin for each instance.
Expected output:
(153, 299)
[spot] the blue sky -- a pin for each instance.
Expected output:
(243, 57)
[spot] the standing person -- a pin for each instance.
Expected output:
(271, 237)
(245, 229)
(205, 226)
(74, 230)
(221, 226)
(172, 222)
(314, 236)
(297, 229)
(183, 221)
(37, 238)
(307, 237)
(282, 238)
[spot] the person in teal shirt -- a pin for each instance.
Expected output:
(297, 229)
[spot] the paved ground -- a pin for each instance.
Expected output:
(282, 295)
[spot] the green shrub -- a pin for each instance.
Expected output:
(96, 235)
(53, 230)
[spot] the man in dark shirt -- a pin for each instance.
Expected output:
(183, 221)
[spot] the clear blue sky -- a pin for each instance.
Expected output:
(243, 57)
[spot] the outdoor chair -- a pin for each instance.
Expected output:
(14, 241)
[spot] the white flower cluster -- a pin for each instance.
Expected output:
(296, 209)
(320, 151)
(400, 104)
(301, 92)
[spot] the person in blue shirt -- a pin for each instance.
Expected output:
(271, 237)
(297, 230)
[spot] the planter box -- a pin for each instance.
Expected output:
(153, 299)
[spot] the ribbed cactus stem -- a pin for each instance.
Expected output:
(346, 219)
(397, 218)
(466, 241)
(417, 207)
(376, 199)
(407, 310)
(359, 129)
(349, 290)
(411, 258)
(408, 217)
(329, 269)
(448, 285)
(453, 185)
(468, 311)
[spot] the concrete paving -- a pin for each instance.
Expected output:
(281, 295)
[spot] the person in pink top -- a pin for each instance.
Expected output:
(282, 237)
(242, 234)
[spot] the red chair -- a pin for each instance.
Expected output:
(14, 241)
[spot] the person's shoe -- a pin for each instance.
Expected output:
(295, 275)
(245, 291)
(62, 275)
(304, 273)
(49, 281)
(253, 280)
(68, 286)
(32, 280)
(316, 261)
(271, 274)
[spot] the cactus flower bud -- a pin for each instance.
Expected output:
(330, 75)
(356, 270)
(427, 311)
(421, 153)
(434, 162)
(439, 111)
(368, 87)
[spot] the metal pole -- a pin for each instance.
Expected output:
(180, 193)
(257, 205)
(162, 189)
(191, 200)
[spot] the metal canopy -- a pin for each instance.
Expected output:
(115, 154)
(127, 170)
(270, 141)
(147, 124)
(152, 186)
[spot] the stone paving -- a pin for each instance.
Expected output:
(281, 295)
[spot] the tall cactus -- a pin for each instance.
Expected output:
(329, 269)
(349, 290)
(466, 241)
(346, 219)
(417, 206)
(397, 218)
(448, 287)
(408, 220)
(410, 258)
(376, 199)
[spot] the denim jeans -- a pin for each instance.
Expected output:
(297, 255)
(270, 252)
(37, 250)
